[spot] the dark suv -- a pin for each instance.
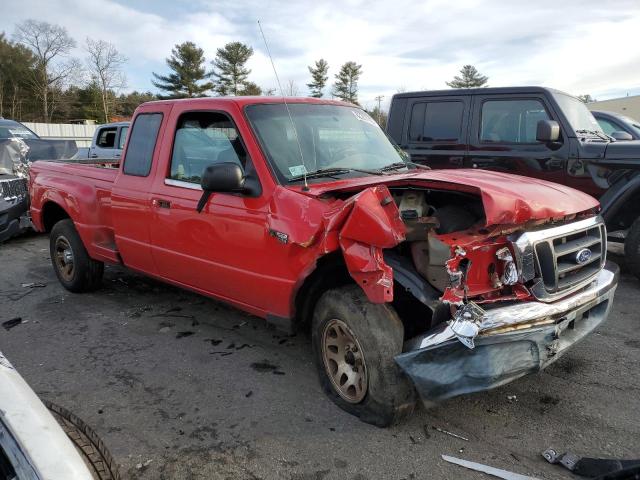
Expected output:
(532, 131)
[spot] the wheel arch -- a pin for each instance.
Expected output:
(330, 272)
(52, 213)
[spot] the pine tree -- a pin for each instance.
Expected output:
(229, 68)
(187, 63)
(319, 77)
(346, 85)
(251, 88)
(469, 78)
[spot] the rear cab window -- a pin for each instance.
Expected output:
(106, 137)
(141, 146)
(202, 139)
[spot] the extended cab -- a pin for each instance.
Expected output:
(413, 281)
(533, 131)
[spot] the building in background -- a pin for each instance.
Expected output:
(629, 106)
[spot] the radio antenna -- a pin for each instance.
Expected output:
(284, 99)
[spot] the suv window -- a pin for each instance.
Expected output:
(106, 138)
(608, 126)
(511, 121)
(202, 139)
(123, 137)
(142, 143)
(436, 121)
(7, 471)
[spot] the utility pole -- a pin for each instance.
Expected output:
(379, 100)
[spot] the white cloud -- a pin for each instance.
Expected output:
(576, 45)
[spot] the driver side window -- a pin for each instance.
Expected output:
(203, 139)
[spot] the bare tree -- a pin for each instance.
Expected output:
(48, 43)
(291, 89)
(104, 65)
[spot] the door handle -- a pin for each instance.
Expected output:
(159, 203)
(94, 155)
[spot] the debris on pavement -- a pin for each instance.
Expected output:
(14, 322)
(140, 466)
(593, 467)
(249, 393)
(451, 434)
(479, 467)
(512, 398)
(33, 285)
(184, 334)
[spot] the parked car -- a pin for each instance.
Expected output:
(108, 140)
(533, 131)
(44, 441)
(39, 148)
(304, 213)
(617, 125)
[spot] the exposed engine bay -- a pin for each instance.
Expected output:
(450, 248)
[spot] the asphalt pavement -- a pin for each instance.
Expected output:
(183, 387)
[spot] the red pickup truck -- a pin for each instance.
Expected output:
(413, 282)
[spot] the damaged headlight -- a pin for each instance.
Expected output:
(510, 272)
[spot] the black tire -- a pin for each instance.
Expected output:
(92, 450)
(389, 395)
(86, 273)
(632, 248)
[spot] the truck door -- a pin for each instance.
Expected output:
(503, 137)
(130, 196)
(221, 250)
(437, 130)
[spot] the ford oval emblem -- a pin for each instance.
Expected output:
(583, 256)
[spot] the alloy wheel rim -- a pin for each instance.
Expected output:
(63, 256)
(344, 361)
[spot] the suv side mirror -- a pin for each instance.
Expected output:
(220, 177)
(620, 135)
(547, 131)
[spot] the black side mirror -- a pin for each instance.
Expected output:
(220, 177)
(547, 131)
(620, 135)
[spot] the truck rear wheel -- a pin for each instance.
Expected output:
(93, 451)
(354, 342)
(632, 248)
(74, 268)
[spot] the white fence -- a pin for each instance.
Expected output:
(82, 134)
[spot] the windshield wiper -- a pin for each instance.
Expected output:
(407, 164)
(328, 172)
(602, 136)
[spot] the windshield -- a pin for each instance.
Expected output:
(330, 136)
(577, 113)
(15, 130)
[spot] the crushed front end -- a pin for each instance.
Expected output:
(552, 286)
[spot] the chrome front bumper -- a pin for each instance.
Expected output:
(512, 341)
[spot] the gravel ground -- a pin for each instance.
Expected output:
(183, 387)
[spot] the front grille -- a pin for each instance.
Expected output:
(571, 258)
(13, 188)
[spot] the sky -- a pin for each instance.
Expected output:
(579, 46)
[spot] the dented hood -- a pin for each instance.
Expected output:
(507, 199)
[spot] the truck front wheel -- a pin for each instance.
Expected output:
(632, 248)
(75, 269)
(354, 342)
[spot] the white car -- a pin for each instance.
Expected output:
(45, 442)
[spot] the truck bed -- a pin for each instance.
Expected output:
(83, 188)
